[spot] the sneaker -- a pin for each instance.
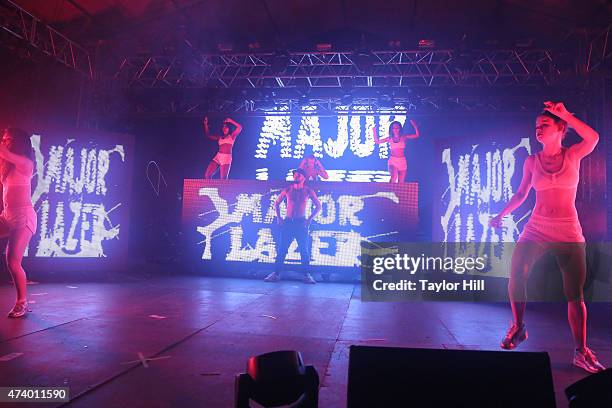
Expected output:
(273, 277)
(516, 334)
(587, 360)
(19, 310)
(309, 279)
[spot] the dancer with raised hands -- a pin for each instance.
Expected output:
(223, 159)
(398, 166)
(553, 226)
(18, 218)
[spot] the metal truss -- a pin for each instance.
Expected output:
(332, 106)
(22, 25)
(420, 68)
(599, 50)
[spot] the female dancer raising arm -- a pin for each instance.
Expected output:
(554, 174)
(18, 218)
(397, 142)
(223, 158)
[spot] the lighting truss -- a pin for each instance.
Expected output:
(20, 24)
(600, 49)
(328, 106)
(420, 68)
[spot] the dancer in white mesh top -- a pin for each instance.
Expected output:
(553, 226)
(18, 218)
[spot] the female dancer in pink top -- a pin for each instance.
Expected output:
(18, 218)
(223, 158)
(553, 173)
(397, 143)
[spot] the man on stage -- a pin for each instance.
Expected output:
(295, 225)
(313, 168)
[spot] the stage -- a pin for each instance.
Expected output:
(195, 334)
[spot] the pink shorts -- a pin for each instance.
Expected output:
(19, 217)
(545, 229)
(398, 162)
(223, 159)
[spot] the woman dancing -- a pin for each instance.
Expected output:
(223, 158)
(397, 142)
(18, 218)
(553, 226)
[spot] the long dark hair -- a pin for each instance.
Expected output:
(556, 119)
(21, 145)
(391, 127)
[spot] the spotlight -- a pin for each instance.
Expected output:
(277, 378)
(363, 62)
(427, 43)
(322, 47)
(347, 99)
(225, 47)
(280, 62)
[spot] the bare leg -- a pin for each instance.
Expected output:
(18, 242)
(211, 169)
(225, 169)
(393, 172)
(524, 256)
(573, 266)
(401, 176)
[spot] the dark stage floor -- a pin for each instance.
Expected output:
(199, 333)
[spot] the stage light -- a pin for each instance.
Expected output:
(280, 62)
(323, 47)
(347, 98)
(363, 62)
(225, 47)
(277, 378)
(427, 44)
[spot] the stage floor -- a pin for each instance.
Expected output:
(199, 332)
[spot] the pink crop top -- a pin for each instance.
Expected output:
(566, 177)
(226, 140)
(397, 145)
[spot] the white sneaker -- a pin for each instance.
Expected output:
(273, 277)
(19, 310)
(309, 279)
(587, 360)
(516, 334)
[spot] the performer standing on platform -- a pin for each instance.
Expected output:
(553, 226)
(18, 218)
(223, 158)
(397, 143)
(295, 225)
(313, 168)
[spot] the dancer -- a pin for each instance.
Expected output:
(553, 226)
(295, 225)
(397, 142)
(313, 168)
(223, 158)
(18, 218)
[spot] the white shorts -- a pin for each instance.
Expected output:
(223, 159)
(19, 217)
(545, 229)
(398, 162)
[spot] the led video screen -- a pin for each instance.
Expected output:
(232, 222)
(81, 192)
